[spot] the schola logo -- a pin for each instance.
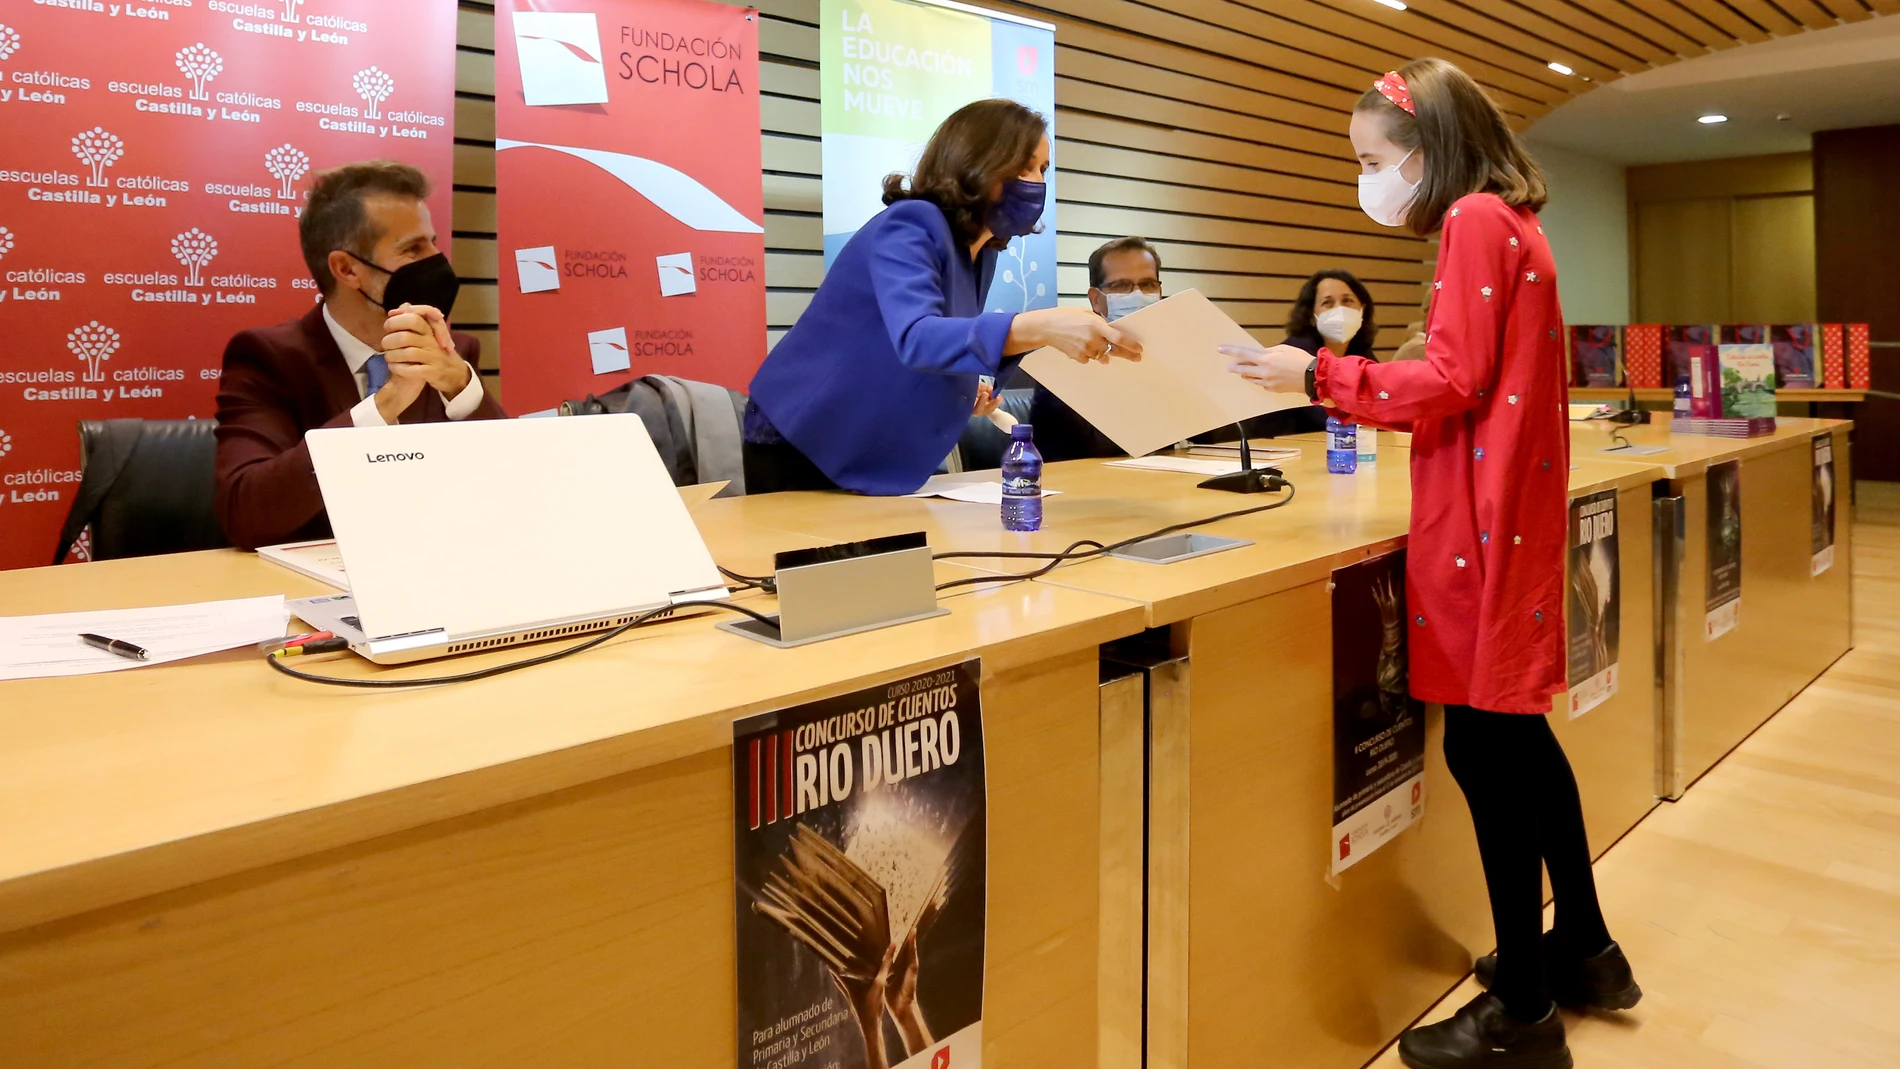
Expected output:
(199, 63)
(9, 41)
(98, 150)
(374, 85)
(93, 343)
(195, 249)
(286, 163)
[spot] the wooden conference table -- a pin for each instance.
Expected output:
(210, 864)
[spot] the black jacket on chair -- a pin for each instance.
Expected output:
(145, 487)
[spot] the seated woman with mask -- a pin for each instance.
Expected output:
(1333, 310)
(870, 390)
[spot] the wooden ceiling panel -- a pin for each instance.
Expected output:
(1638, 18)
(1586, 21)
(1847, 10)
(1810, 14)
(1766, 15)
(1556, 33)
(1439, 15)
(1479, 58)
(1720, 14)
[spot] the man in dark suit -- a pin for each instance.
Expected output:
(376, 351)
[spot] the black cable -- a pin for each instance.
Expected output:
(766, 583)
(512, 666)
(1056, 560)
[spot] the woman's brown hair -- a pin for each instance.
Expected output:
(975, 150)
(1468, 146)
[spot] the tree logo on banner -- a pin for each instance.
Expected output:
(98, 150)
(6, 242)
(374, 85)
(93, 343)
(286, 163)
(200, 64)
(290, 10)
(195, 249)
(9, 41)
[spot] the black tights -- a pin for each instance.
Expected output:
(1525, 808)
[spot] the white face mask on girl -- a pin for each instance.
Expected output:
(1386, 196)
(1339, 324)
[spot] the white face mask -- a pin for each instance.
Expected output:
(1386, 196)
(1121, 304)
(1339, 323)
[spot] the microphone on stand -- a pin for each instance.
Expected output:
(1249, 479)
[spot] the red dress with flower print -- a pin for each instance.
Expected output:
(1488, 412)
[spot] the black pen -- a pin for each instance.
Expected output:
(113, 645)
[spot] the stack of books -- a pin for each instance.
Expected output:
(1756, 427)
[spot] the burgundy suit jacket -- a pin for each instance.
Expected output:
(280, 382)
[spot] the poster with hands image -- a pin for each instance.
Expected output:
(860, 877)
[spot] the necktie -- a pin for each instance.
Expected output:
(377, 369)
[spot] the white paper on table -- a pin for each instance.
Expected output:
(1179, 388)
(1184, 465)
(36, 646)
(1262, 454)
(320, 560)
(976, 493)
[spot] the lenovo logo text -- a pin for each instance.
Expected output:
(390, 458)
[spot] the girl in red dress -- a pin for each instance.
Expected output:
(1487, 411)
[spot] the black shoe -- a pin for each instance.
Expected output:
(1483, 1036)
(1603, 982)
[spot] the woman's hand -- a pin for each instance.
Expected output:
(1076, 333)
(988, 399)
(1281, 369)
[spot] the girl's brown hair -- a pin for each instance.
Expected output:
(1468, 146)
(978, 148)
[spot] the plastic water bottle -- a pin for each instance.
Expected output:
(1342, 446)
(1022, 481)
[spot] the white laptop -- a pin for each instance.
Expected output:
(470, 536)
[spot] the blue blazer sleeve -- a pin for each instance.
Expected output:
(907, 275)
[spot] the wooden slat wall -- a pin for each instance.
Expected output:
(1214, 127)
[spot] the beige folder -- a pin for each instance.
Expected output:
(1179, 388)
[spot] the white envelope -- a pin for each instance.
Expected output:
(1179, 388)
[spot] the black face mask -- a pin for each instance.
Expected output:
(429, 281)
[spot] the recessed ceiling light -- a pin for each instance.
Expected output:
(1711, 120)
(1396, 5)
(1561, 68)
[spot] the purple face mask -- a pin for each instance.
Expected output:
(1017, 213)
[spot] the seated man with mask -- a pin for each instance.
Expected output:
(376, 351)
(1124, 277)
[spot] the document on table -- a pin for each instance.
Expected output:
(1179, 388)
(36, 646)
(976, 493)
(1185, 465)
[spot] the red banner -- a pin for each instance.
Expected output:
(153, 167)
(630, 206)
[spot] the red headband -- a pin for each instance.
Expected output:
(1393, 88)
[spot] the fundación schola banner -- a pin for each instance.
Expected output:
(860, 878)
(890, 71)
(631, 209)
(154, 162)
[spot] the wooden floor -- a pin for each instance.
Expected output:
(1762, 911)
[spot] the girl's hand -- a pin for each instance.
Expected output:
(1281, 369)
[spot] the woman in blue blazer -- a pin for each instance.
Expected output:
(869, 391)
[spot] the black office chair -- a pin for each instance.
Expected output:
(982, 444)
(146, 487)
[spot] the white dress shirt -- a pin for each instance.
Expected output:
(365, 414)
